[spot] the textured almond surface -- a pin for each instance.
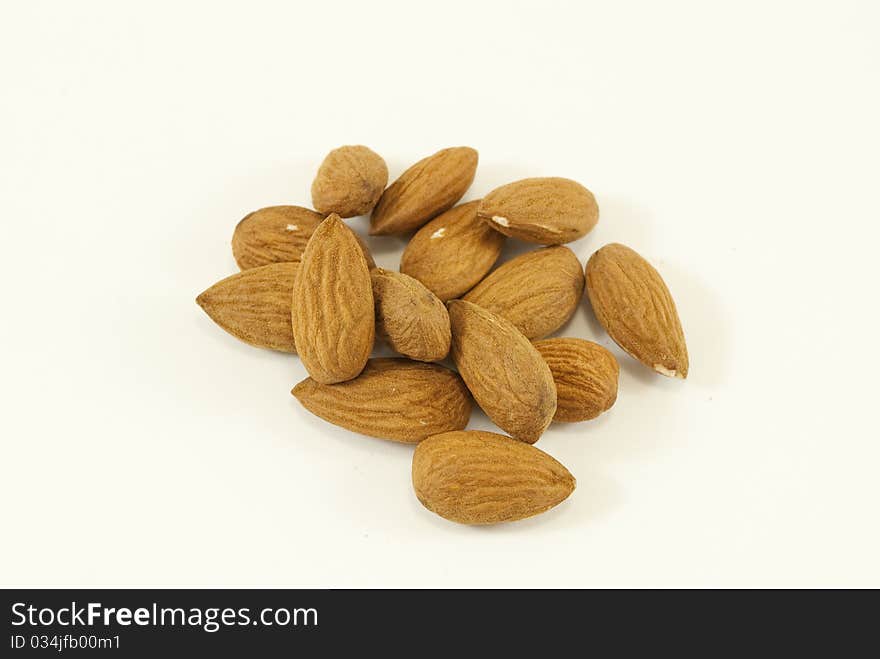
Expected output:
(431, 186)
(349, 182)
(633, 304)
(505, 373)
(538, 291)
(409, 317)
(585, 374)
(476, 477)
(547, 211)
(334, 318)
(452, 252)
(273, 235)
(254, 305)
(394, 399)
(278, 234)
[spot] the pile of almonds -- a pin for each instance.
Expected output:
(309, 285)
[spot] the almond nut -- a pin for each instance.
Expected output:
(505, 373)
(633, 304)
(409, 317)
(452, 252)
(476, 477)
(585, 375)
(547, 211)
(349, 181)
(538, 291)
(395, 399)
(254, 305)
(431, 186)
(276, 234)
(334, 318)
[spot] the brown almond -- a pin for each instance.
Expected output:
(547, 211)
(254, 305)
(349, 181)
(452, 252)
(409, 317)
(476, 477)
(538, 291)
(585, 374)
(428, 188)
(633, 304)
(395, 399)
(334, 319)
(505, 373)
(276, 234)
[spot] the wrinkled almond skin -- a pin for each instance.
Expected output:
(452, 252)
(333, 317)
(431, 186)
(538, 291)
(585, 374)
(394, 399)
(507, 376)
(547, 211)
(476, 477)
(633, 304)
(276, 234)
(409, 317)
(254, 305)
(349, 181)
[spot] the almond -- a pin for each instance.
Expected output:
(452, 252)
(334, 319)
(395, 399)
(254, 305)
(409, 317)
(275, 234)
(547, 211)
(431, 186)
(349, 182)
(585, 375)
(505, 373)
(538, 291)
(476, 477)
(633, 304)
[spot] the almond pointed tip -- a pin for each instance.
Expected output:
(297, 391)
(670, 372)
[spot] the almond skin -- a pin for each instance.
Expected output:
(476, 477)
(428, 188)
(394, 399)
(349, 181)
(276, 234)
(505, 373)
(409, 317)
(538, 291)
(633, 304)
(254, 305)
(452, 252)
(334, 318)
(585, 374)
(547, 211)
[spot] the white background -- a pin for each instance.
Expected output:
(735, 145)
